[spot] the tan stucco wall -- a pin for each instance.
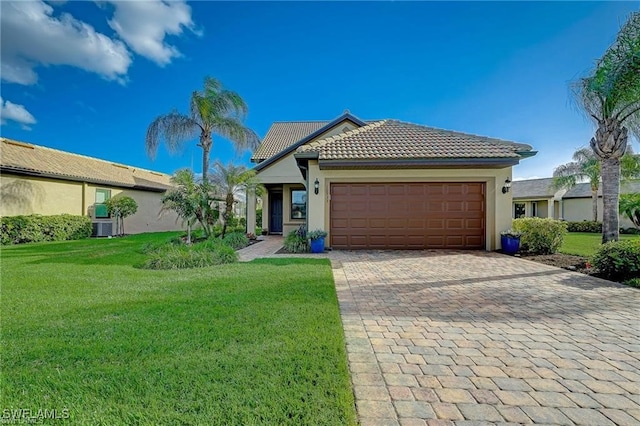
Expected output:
(579, 209)
(148, 217)
(498, 205)
(21, 195)
(24, 195)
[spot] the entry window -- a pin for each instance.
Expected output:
(518, 210)
(100, 208)
(298, 204)
(534, 209)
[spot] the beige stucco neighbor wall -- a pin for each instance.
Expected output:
(24, 195)
(21, 195)
(498, 205)
(148, 217)
(579, 209)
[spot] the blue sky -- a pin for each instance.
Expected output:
(89, 77)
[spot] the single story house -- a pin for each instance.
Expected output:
(39, 180)
(536, 198)
(532, 198)
(386, 184)
(578, 202)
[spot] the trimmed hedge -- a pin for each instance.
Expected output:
(585, 226)
(540, 236)
(37, 228)
(618, 260)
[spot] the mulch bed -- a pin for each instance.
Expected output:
(566, 261)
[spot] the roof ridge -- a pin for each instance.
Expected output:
(357, 131)
(113, 163)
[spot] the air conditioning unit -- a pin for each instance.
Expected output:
(102, 229)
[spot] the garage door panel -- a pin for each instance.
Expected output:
(408, 215)
(379, 223)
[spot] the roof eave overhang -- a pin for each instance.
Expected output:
(443, 163)
(344, 117)
(35, 173)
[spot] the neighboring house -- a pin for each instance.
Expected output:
(39, 180)
(578, 204)
(386, 184)
(536, 198)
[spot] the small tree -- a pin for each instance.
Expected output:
(630, 207)
(120, 207)
(191, 200)
(230, 181)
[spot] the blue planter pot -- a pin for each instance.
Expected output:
(510, 245)
(317, 245)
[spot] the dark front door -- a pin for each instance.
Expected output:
(275, 212)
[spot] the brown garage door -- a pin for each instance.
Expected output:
(408, 215)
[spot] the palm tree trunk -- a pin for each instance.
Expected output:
(206, 143)
(610, 199)
(228, 209)
(594, 203)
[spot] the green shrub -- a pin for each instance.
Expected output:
(259, 218)
(296, 241)
(585, 226)
(631, 231)
(618, 260)
(540, 236)
(37, 228)
(236, 240)
(316, 234)
(208, 253)
(633, 282)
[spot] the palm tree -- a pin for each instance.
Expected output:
(191, 200)
(610, 95)
(214, 110)
(586, 166)
(231, 181)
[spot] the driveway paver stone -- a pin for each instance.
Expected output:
(451, 337)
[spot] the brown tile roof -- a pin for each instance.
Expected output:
(283, 134)
(38, 160)
(396, 140)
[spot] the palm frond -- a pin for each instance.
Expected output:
(174, 128)
(612, 90)
(233, 129)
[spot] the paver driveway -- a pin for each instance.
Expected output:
(474, 338)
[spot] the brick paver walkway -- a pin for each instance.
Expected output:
(479, 338)
(265, 248)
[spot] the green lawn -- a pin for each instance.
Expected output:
(585, 244)
(255, 343)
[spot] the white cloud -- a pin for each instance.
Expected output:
(143, 25)
(15, 112)
(31, 35)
